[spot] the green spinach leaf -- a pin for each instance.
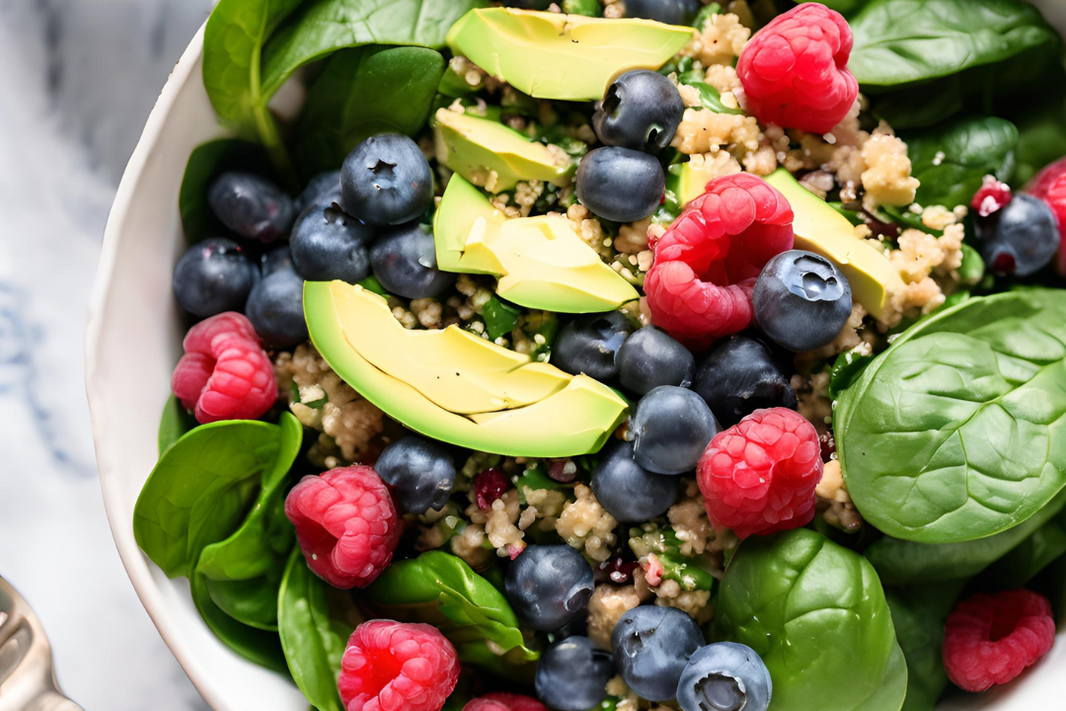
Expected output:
(1042, 137)
(918, 614)
(1024, 562)
(362, 92)
(206, 163)
(324, 26)
(710, 99)
(312, 638)
(252, 602)
(260, 646)
(958, 431)
(813, 611)
(441, 589)
(233, 43)
(906, 41)
(201, 489)
(174, 423)
(951, 160)
(500, 317)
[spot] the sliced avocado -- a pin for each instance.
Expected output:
(819, 228)
(408, 374)
(549, 55)
(475, 147)
(541, 262)
(688, 181)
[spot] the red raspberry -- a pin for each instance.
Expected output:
(224, 374)
(699, 287)
(489, 485)
(1050, 186)
(759, 475)
(990, 639)
(346, 524)
(991, 197)
(502, 701)
(397, 666)
(794, 70)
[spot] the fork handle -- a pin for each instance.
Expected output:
(52, 701)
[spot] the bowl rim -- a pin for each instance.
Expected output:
(107, 467)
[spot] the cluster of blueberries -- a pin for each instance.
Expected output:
(347, 224)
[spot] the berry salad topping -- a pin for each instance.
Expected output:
(602, 355)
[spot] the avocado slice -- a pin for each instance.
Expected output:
(876, 284)
(688, 182)
(549, 55)
(473, 147)
(541, 262)
(543, 411)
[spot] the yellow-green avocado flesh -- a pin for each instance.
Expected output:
(454, 386)
(875, 283)
(494, 156)
(549, 55)
(541, 262)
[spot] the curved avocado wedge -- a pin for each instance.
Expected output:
(476, 147)
(395, 368)
(876, 284)
(549, 55)
(541, 262)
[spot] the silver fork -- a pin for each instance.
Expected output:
(27, 679)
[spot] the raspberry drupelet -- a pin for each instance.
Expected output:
(397, 666)
(991, 639)
(699, 287)
(225, 374)
(759, 476)
(1050, 186)
(346, 524)
(794, 70)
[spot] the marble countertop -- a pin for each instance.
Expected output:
(79, 79)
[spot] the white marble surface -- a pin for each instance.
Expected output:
(77, 81)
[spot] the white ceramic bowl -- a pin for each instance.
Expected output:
(134, 339)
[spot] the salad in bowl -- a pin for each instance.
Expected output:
(623, 354)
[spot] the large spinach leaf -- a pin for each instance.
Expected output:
(362, 92)
(918, 614)
(906, 41)
(233, 42)
(813, 611)
(260, 646)
(312, 638)
(1042, 136)
(206, 163)
(958, 431)
(324, 26)
(174, 423)
(950, 161)
(1024, 562)
(901, 562)
(440, 588)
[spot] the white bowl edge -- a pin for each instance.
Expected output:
(124, 414)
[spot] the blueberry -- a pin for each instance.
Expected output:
(386, 180)
(651, 645)
(214, 276)
(641, 110)
(276, 309)
(405, 263)
(1020, 238)
(251, 206)
(740, 376)
(627, 491)
(548, 585)
(650, 358)
(620, 184)
(324, 189)
(420, 472)
(275, 260)
(588, 344)
(725, 677)
(670, 429)
(672, 12)
(328, 244)
(572, 674)
(801, 300)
